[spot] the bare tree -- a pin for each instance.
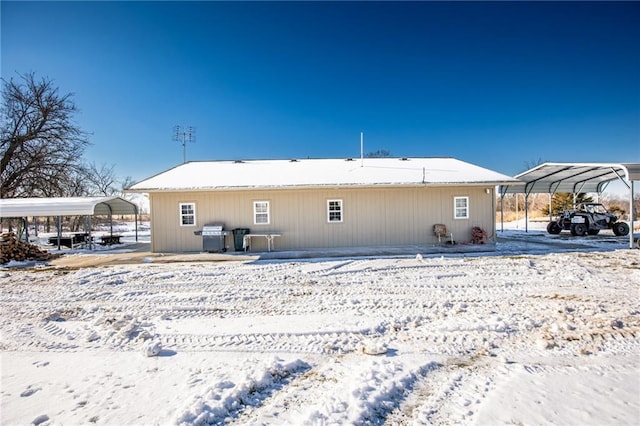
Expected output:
(380, 153)
(535, 163)
(40, 146)
(102, 180)
(127, 182)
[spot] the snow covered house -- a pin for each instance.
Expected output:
(321, 203)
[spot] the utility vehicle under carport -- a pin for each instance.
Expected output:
(587, 218)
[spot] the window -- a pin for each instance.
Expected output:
(334, 211)
(261, 212)
(461, 207)
(187, 214)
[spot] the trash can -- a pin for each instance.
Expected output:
(238, 238)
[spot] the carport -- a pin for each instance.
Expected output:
(68, 206)
(549, 178)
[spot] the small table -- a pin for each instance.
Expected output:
(64, 241)
(71, 240)
(110, 239)
(246, 241)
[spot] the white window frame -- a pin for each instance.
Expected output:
(340, 210)
(458, 210)
(184, 215)
(257, 213)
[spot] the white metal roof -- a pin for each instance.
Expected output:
(572, 177)
(264, 174)
(65, 206)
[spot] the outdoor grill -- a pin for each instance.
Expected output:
(213, 237)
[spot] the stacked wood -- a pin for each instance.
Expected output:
(13, 249)
(478, 235)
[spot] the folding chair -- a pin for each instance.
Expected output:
(441, 231)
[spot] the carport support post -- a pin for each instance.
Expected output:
(59, 226)
(501, 210)
(110, 221)
(526, 212)
(631, 214)
(88, 229)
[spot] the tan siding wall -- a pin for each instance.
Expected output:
(371, 217)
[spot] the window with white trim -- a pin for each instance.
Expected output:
(187, 214)
(461, 207)
(261, 213)
(334, 211)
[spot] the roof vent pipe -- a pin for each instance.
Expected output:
(361, 149)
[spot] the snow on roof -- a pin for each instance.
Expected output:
(63, 206)
(572, 177)
(260, 174)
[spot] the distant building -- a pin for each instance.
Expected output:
(322, 203)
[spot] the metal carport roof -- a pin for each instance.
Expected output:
(550, 178)
(65, 206)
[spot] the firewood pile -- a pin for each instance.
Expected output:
(13, 249)
(478, 235)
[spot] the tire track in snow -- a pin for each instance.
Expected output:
(319, 343)
(206, 299)
(324, 394)
(448, 395)
(482, 314)
(453, 393)
(227, 400)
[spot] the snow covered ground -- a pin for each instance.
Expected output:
(523, 335)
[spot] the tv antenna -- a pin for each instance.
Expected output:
(184, 135)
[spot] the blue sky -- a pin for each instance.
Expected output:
(500, 84)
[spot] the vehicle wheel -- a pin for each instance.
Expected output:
(578, 229)
(553, 228)
(593, 231)
(620, 229)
